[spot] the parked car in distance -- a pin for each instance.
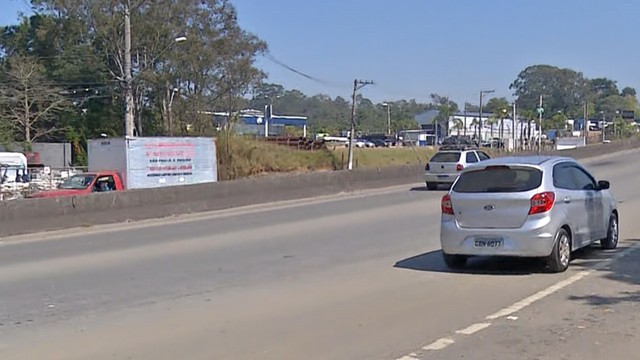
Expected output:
(361, 143)
(460, 140)
(445, 166)
(85, 183)
(495, 143)
(534, 206)
(378, 142)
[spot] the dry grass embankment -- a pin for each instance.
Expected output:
(380, 157)
(243, 157)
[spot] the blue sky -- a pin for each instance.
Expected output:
(412, 48)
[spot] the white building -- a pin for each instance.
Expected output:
(512, 135)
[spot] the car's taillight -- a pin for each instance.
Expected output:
(459, 167)
(426, 167)
(542, 202)
(446, 206)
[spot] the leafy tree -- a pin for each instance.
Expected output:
(623, 129)
(496, 106)
(562, 89)
(265, 94)
(557, 121)
(611, 104)
(214, 63)
(458, 125)
(603, 87)
(628, 91)
(446, 108)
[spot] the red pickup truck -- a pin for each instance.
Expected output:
(85, 183)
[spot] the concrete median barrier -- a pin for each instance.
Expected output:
(37, 215)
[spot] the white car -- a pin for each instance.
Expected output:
(361, 143)
(445, 166)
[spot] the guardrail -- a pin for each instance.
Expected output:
(35, 215)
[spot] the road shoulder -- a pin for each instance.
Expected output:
(596, 318)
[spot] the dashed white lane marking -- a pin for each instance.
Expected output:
(439, 344)
(409, 357)
(473, 328)
(508, 311)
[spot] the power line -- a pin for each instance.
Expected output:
(72, 84)
(278, 62)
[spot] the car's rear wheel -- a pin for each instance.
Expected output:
(613, 234)
(432, 186)
(560, 257)
(455, 261)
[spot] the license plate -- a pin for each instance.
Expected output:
(487, 243)
(442, 176)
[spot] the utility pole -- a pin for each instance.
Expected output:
(388, 120)
(586, 123)
(357, 85)
(129, 123)
(464, 123)
(604, 126)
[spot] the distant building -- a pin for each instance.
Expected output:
(261, 123)
(426, 118)
(426, 123)
(54, 155)
(484, 127)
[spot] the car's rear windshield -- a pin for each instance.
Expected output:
(446, 157)
(498, 179)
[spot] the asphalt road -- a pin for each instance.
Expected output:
(345, 277)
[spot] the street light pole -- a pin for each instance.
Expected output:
(480, 117)
(540, 112)
(170, 110)
(514, 127)
(128, 80)
(129, 116)
(387, 105)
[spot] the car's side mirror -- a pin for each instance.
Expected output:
(603, 185)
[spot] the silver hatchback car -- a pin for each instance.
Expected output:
(533, 206)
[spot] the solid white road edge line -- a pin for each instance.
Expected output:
(558, 286)
(518, 306)
(537, 296)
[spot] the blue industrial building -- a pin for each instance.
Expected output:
(256, 122)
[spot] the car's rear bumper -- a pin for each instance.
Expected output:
(535, 239)
(440, 178)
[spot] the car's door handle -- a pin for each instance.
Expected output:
(567, 199)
